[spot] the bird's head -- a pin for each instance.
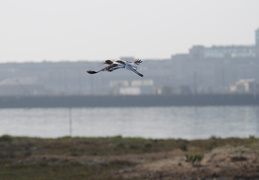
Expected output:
(137, 61)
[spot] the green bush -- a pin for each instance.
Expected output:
(6, 138)
(194, 157)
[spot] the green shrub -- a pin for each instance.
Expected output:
(194, 158)
(183, 147)
(6, 138)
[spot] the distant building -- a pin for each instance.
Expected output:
(21, 86)
(115, 86)
(232, 51)
(130, 91)
(168, 90)
(257, 42)
(223, 52)
(136, 87)
(244, 86)
(145, 86)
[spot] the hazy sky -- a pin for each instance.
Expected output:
(54, 30)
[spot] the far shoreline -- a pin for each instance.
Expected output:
(80, 101)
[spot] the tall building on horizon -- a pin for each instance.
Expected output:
(257, 42)
(257, 37)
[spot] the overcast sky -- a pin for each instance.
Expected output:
(55, 30)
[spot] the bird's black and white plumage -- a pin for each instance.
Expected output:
(118, 64)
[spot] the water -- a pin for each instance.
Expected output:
(147, 122)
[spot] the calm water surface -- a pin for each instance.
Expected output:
(148, 122)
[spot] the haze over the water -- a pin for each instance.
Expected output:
(55, 30)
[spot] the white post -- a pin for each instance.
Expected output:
(70, 122)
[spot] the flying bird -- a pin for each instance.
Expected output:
(118, 64)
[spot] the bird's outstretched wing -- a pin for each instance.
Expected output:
(109, 68)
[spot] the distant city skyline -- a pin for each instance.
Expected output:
(58, 30)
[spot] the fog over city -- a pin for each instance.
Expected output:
(229, 69)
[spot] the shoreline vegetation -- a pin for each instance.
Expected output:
(77, 158)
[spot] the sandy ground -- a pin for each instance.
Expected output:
(223, 163)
